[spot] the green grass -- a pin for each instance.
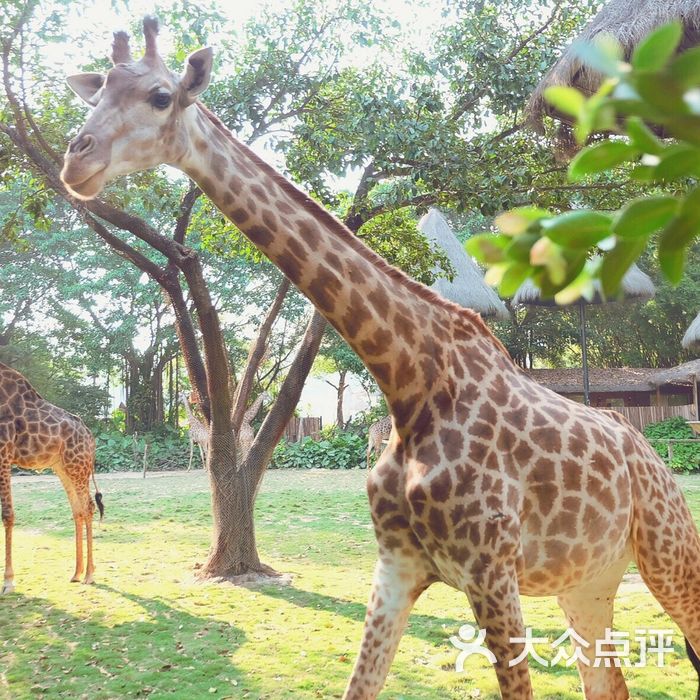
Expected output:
(147, 629)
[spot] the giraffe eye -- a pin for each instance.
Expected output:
(161, 100)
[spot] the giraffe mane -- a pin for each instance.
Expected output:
(303, 200)
(22, 381)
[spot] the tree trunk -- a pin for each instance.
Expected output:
(233, 549)
(233, 552)
(342, 386)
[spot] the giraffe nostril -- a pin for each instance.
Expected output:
(82, 145)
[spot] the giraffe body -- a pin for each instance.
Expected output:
(35, 434)
(377, 433)
(490, 482)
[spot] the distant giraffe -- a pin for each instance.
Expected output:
(197, 433)
(377, 433)
(35, 434)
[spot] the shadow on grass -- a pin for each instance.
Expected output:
(50, 653)
(436, 630)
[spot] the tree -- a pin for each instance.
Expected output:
(159, 250)
(337, 357)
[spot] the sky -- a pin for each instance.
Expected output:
(103, 17)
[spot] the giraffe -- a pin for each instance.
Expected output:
(377, 433)
(490, 482)
(197, 433)
(35, 434)
(246, 434)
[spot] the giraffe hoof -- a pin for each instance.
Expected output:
(75, 579)
(8, 587)
(89, 580)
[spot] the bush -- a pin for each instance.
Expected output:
(336, 450)
(167, 449)
(686, 458)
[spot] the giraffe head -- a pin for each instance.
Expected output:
(141, 109)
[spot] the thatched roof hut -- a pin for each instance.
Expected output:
(602, 380)
(468, 287)
(628, 21)
(636, 285)
(687, 373)
(691, 339)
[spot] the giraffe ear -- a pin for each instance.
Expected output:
(195, 78)
(86, 86)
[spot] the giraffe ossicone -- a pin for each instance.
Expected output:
(35, 434)
(490, 482)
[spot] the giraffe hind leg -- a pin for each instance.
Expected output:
(8, 520)
(589, 612)
(81, 503)
(693, 658)
(667, 551)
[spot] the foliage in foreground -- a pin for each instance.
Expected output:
(657, 92)
(685, 458)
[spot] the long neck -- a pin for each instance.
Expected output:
(191, 418)
(393, 323)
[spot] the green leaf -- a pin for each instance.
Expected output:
(678, 235)
(604, 54)
(677, 161)
(519, 249)
(517, 221)
(642, 137)
(672, 262)
(685, 68)
(600, 157)
(642, 173)
(578, 229)
(654, 51)
(567, 100)
(618, 261)
(685, 128)
(488, 248)
(661, 92)
(594, 111)
(513, 278)
(641, 217)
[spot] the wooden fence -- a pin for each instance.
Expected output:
(299, 428)
(639, 416)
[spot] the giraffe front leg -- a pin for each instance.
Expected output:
(398, 582)
(8, 521)
(78, 548)
(90, 570)
(495, 601)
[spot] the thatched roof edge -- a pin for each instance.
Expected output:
(636, 286)
(468, 287)
(691, 339)
(629, 21)
(682, 374)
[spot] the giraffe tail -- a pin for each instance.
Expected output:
(693, 657)
(98, 496)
